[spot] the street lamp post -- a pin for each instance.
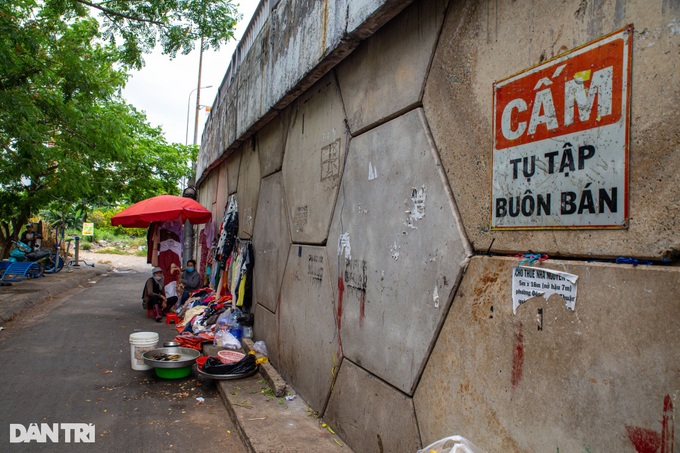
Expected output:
(188, 234)
(186, 140)
(188, 231)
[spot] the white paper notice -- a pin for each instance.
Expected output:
(528, 282)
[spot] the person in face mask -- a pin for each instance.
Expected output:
(153, 297)
(190, 279)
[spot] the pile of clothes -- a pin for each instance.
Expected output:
(198, 316)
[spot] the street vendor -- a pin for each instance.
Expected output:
(191, 280)
(153, 297)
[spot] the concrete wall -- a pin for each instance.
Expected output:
(592, 379)
(357, 138)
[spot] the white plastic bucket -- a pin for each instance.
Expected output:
(140, 343)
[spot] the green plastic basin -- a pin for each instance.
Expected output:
(173, 373)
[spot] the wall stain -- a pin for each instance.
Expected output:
(341, 293)
(362, 309)
(649, 441)
(667, 426)
(486, 290)
(644, 440)
(517, 358)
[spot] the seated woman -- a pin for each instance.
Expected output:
(153, 297)
(191, 281)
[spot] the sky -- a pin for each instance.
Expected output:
(165, 89)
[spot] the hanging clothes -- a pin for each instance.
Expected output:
(169, 260)
(173, 226)
(249, 263)
(205, 251)
(245, 300)
(240, 274)
(210, 233)
(152, 239)
(229, 230)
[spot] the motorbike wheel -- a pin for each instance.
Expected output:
(54, 264)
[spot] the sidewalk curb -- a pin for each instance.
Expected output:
(266, 422)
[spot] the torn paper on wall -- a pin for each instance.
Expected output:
(528, 282)
(417, 211)
(343, 244)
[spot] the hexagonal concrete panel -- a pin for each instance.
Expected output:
(248, 190)
(222, 192)
(596, 378)
(206, 194)
(397, 250)
(271, 241)
(308, 348)
(233, 163)
(266, 329)
(482, 43)
(371, 416)
(312, 164)
(386, 73)
(271, 141)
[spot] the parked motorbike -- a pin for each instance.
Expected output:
(22, 252)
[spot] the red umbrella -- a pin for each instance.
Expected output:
(160, 208)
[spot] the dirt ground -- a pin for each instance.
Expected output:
(117, 262)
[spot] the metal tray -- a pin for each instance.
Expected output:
(227, 377)
(188, 358)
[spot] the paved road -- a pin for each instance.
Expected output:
(68, 361)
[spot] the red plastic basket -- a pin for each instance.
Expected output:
(229, 357)
(201, 360)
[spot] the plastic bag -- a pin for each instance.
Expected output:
(246, 365)
(217, 339)
(227, 340)
(452, 444)
(224, 317)
(260, 347)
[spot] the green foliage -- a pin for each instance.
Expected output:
(101, 217)
(68, 139)
(136, 27)
(71, 218)
(112, 251)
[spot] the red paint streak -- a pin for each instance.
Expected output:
(667, 426)
(362, 308)
(341, 293)
(644, 440)
(517, 358)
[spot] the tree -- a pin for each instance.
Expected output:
(67, 136)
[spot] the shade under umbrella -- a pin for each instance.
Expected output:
(159, 209)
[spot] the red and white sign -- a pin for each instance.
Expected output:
(560, 157)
